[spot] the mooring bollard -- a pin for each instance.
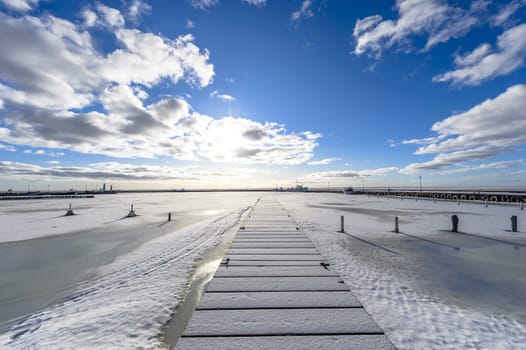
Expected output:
(486, 202)
(396, 224)
(131, 214)
(514, 223)
(169, 216)
(342, 224)
(454, 223)
(70, 211)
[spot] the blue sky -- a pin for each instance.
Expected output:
(245, 93)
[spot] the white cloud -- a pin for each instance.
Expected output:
(258, 3)
(7, 148)
(353, 173)
(490, 128)
(189, 24)
(110, 16)
(305, 11)
(433, 18)
(204, 4)
(222, 97)
(53, 162)
(505, 14)
(484, 166)
(117, 172)
(482, 64)
(40, 152)
(90, 17)
(20, 5)
(137, 9)
(324, 161)
(42, 110)
(391, 143)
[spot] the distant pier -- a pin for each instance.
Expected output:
(47, 196)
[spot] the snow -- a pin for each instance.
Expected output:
(339, 342)
(256, 300)
(29, 219)
(242, 284)
(427, 288)
(131, 299)
(268, 271)
(423, 294)
(274, 321)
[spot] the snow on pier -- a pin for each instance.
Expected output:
(274, 290)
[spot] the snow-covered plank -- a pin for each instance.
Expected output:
(270, 271)
(264, 284)
(280, 322)
(303, 251)
(329, 342)
(255, 239)
(254, 300)
(274, 257)
(272, 263)
(243, 234)
(237, 244)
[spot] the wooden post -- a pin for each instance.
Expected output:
(454, 223)
(486, 202)
(342, 224)
(514, 223)
(169, 217)
(522, 205)
(396, 224)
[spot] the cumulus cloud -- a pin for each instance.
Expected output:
(323, 161)
(353, 173)
(435, 19)
(20, 5)
(483, 63)
(490, 128)
(59, 92)
(137, 9)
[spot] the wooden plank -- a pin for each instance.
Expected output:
(274, 257)
(272, 271)
(237, 244)
(288, 251)
(320, 342)
(255, 300)
(281, 322)
(265, 284)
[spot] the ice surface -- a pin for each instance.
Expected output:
(126, 306)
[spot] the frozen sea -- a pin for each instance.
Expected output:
(96, 281)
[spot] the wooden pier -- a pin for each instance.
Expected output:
(274, 290)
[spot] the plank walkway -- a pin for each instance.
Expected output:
(272, 292)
